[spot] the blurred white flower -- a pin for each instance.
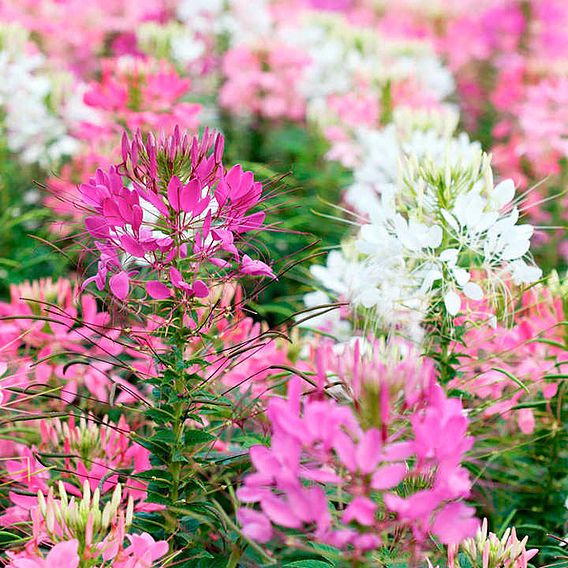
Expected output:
(325, 319)
(35, 132)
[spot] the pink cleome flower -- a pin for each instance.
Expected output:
(182, 217)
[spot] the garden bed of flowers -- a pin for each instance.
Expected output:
(282, 283)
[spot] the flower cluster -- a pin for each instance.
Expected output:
(259, 81)
(488, 550)
(319, 443)
(443, 231)
(184, 211)
(141, 94)
(179, 388)
(30, 88)
(75, 34)
(506, 365)
(43, 323)
(89, 454)
(526, 47)
(81, 530)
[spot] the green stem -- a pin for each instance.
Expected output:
(177, 427)
(236, 554)
(175, 467)
(444, 358)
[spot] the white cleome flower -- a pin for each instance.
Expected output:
(444, 232)
(412, 134)
(35, 122)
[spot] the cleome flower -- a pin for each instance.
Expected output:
(30, 88)
(410, 483)
(444, 231)
(489, 551)
(43, 321)
(183, 215)
(86, 532)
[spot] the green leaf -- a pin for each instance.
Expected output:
(328, 552)
(8, 538)
(214, 562)
(178, 457)
(534, 404)
(156, 494)
(159, 415)
(195, 437)
(189, 524)
(510, 376)
(152, 523)
(550, 342)
(555, 377)
(164, 437)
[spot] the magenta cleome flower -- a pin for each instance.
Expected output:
(179, 218)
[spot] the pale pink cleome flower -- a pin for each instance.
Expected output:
(85, 531)
(316, 442)
(529, 351)
(62, 555)
(263, 80)
(45, 320)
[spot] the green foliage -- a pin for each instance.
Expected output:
(302, 190)
(25, 251)
(524, 481)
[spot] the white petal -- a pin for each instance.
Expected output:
(524, 273)
(473, 291)
(452, 302)
(515, 250)
(435, 236)
(450, 219)
(474, 211)
(504, 192)
(487, 221)
(462, 276)
(430, 277)
(524, 231)
(449, 255)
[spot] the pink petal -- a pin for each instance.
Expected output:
(176, 278)
(174, 188)
(97, 227)
(157, 290)
(388, 476)
(454, 523)
(255, 525)
(251, 222)
(120, 284)
(200, 290)
(190, 195)
(525, 420)
(280, 512)
(131, 246)
(255, 267)
(368, 451)
(63, 555)
(361, 510)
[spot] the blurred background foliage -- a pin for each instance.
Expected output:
(26, 242)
